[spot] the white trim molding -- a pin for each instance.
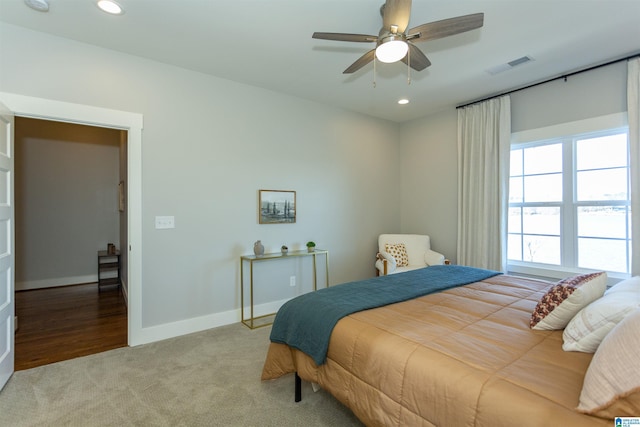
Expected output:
(27, 106)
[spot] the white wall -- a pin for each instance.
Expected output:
(594, 93)
(429, 180)
(208, 146)
(66, 190)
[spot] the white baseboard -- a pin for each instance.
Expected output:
(264, 309)
(197, 324)
(52, 283)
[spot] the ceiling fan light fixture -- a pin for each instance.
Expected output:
(392, 42)
(392, 49)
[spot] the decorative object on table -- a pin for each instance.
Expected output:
(258, 249)
(311, 246)
(277, 207)
(284, 250)
(111, 249)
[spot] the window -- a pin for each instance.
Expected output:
(569, 203)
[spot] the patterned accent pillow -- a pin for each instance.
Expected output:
(566, 298)
(399, 252)
(612, 382)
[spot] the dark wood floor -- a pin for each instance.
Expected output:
(66, 322)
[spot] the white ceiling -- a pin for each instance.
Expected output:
(267, 43)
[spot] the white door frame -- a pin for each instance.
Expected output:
(39, 108)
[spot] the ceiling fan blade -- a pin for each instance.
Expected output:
(361, 62)
(345, 37)
(396, 12)
(446, 27)
(416, 59)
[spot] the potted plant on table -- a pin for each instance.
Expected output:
(311, 246)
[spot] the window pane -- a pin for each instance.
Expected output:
(514, 247)
(515, 190)
(542, 249)
(603, 152)
(543, 159)
(513, 223)
(515, 164)
(606, 184)
(541, 221)
(543, 188)
(593, 177)
(602, 221)
(602, 254)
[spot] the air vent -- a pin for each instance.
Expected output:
(519, 61)
(509, 65)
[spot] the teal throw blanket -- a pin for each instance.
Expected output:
(306, 322)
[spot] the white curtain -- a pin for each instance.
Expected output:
(484, 136)
(633, 110)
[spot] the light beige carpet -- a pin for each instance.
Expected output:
(211, 378)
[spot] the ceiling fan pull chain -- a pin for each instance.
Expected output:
(374, 72)
(409, 68)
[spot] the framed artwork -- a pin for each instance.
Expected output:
(277, 207)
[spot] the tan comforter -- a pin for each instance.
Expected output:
(461, 357)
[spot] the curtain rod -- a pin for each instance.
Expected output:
(564, 76)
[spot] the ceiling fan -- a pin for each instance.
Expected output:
(395, 43)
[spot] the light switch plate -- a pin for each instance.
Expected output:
(164, 222)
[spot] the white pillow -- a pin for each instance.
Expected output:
(589, 327)
(629, 285)
(566, 298)
(612, 383)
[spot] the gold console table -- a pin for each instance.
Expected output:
(267, 319)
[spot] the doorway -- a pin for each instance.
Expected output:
(69, 204)
(27, 106)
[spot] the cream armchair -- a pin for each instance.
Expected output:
(418, 253)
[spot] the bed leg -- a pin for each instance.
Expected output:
(298, 387)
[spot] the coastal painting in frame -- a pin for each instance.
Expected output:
(277, 207)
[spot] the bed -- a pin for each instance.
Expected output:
(460, 356)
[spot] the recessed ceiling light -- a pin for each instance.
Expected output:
(403, 101)
(39, 5)
(110, 6)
